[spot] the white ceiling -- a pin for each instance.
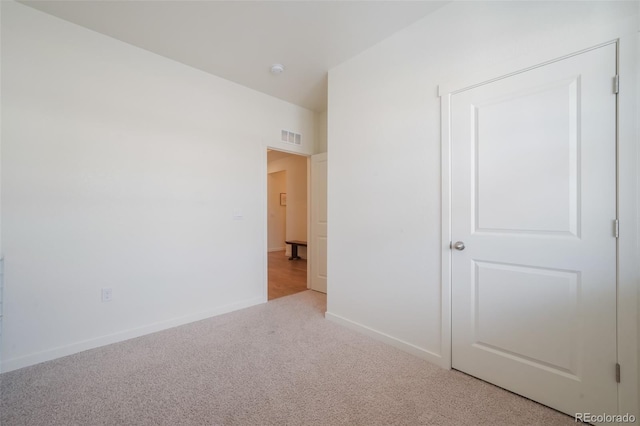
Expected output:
(240, 40)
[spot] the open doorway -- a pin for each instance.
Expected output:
(287, 220)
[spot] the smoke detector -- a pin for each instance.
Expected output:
(277, 69)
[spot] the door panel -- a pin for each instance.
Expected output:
(542, 164)
(534, 201)
(515, 292)
(319, 222)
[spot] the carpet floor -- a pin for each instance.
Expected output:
(279, 363)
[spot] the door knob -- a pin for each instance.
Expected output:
(458, 245)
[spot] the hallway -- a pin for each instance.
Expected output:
(286, 276)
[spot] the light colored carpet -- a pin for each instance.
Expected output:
(279, 363)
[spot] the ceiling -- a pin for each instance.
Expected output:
(240, 40)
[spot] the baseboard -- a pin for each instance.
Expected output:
(385, 338)
(51, 354)
(277, 249)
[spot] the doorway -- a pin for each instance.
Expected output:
(287, 220)
(533, 241)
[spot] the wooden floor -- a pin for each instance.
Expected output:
(286, 276)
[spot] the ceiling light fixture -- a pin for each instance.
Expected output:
(277, 69)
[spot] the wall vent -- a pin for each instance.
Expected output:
(291, 137)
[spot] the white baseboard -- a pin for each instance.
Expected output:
(73, 348)
(277, 249)
(385, 338)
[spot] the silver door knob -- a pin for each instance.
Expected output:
(458, 245)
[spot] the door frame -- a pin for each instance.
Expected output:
(265, 206)
(628, 275)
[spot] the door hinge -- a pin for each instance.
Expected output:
(617, 373)
(616, 84)
(616, 228)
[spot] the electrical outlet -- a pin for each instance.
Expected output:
(107, 294)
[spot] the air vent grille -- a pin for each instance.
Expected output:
(291, 137)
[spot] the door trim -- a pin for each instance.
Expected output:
(265, 227)
(627, 199)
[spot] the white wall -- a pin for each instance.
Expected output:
(124, 169)
(277, 213)
(321, 133)
(385, 249)
(296, 168)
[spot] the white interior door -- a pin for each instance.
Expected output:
(534, 202)
(318, 269)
